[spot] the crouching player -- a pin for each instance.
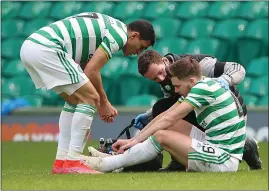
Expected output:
(217, 111)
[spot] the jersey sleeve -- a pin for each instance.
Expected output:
(114, 40)
(199, 96)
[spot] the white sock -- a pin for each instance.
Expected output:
(138, 154)
(80, 129)
(65, 122)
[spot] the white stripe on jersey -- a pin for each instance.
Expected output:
(92, 35)
(52, 34)
(66, 36)
(194, 101)
(231, 146)
(43, 40)
(212, 116)
(207, 98)
(79, 40)
(225, 124)
(226, 136)
(220, 99)
(101, 22)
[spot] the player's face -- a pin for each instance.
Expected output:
(182, 86)
(134, 45)
(156, 71)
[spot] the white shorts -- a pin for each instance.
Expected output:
(52, 68)
(197, 134)
(209, 158)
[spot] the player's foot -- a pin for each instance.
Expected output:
(57, 167)
(78, 167)
(93, 162)
(251, 154)
(173, 166)
(95, 153)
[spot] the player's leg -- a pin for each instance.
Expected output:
(174, 165)
(251, 153)
(178, 145)
(196, 155)
(88, 99)
(189, 123)
(138, 154)
(56, 70)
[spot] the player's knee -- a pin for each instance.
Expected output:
(160, 136)
(95, 98)
(92, 98)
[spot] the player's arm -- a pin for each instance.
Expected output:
(114, 40)
(93, 71)
(169, 118)
(234, 73)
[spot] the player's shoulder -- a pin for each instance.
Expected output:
(205, 83)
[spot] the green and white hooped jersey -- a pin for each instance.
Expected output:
(80, 35)
(220, 113)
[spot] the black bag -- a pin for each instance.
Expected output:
(152, 165)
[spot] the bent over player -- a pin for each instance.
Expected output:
(55, 55)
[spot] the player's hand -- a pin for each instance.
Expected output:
(107, 112)
(127, 146)
(223, 83)
(141, 120)
(119, 143)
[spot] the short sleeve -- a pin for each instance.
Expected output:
(114, 40)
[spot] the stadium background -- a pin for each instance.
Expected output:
(230, 31)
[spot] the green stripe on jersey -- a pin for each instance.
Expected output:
(48, 37)
(57, 30)
(116, 36)
(239, 150)
(227, 130)
(97, 31)
(231, 141)
(37, 42)
(222, 118)
(203, 92)
(72, 36)
(85, 42)
(207, 111)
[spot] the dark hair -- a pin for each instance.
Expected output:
(185, 67)
(146, 58)
(145, 29)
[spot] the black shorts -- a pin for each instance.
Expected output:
(165, 103)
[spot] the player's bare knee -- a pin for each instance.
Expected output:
(160, 136)
(89, 98)
(95, 98)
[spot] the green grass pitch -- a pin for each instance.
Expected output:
(27, 166)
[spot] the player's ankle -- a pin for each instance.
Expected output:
(73, 155)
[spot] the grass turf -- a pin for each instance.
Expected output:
(27, 166)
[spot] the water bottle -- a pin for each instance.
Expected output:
(101, 144)
(109, 143)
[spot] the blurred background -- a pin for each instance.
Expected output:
(230, 31)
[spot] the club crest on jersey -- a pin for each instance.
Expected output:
(167, 87)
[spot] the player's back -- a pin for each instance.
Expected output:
(219, 112)
(80, 35)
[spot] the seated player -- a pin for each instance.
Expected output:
(217, 111)
(229, 74)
